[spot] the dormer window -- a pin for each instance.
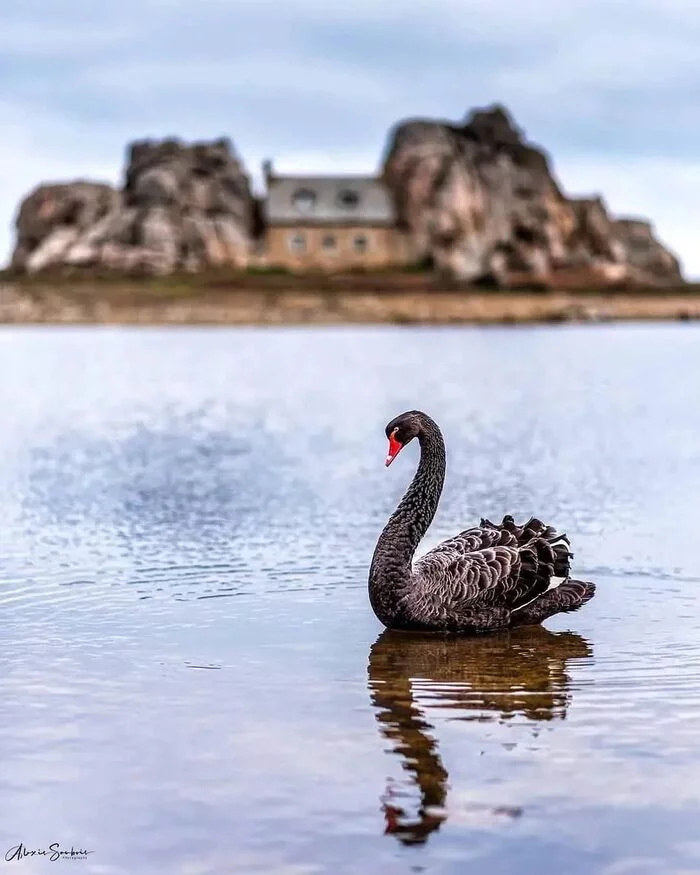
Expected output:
(348, 198)
(304, 201)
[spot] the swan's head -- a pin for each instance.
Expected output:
(401, 431)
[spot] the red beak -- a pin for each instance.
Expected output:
(395, 448)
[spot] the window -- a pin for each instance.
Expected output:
(304, 201)
(297, 243)
(348, 199)
(360, 243)
(328, 242)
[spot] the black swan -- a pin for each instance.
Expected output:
(487, 578)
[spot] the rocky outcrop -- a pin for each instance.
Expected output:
(483, 204)
(182, 207)
(476, 200)
(644, 253)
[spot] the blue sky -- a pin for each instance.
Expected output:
(611, 88)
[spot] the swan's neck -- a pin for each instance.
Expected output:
(390, 572)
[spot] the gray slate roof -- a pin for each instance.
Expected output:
(328, 199)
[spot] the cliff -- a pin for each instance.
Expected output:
(482, 203)
(181, 208)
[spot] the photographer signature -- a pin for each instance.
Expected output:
(53, 852)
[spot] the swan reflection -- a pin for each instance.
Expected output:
(517, 675)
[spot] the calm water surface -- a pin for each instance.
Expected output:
(191, 678)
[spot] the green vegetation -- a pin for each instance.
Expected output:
(269, 270)
(77, 284)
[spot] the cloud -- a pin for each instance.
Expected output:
(606, 88)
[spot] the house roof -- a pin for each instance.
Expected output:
(328, 199)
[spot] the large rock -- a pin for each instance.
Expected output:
(644, 253)
(482, 203)
(53, 218)
(181, 208)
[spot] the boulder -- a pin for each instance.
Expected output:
(182, 207)
(483, 204)
(644, 253)
(54, 218)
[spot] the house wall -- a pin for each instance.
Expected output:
(384, 247)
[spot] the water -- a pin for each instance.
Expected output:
(191, 678)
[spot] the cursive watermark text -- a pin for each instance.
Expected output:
(52, 852)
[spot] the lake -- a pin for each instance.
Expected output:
(192, 680)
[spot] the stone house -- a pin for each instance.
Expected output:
(329, 223)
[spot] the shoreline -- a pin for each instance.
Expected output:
(357, 302)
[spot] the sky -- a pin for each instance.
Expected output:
(610, 88)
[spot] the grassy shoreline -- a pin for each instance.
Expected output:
(287, 300)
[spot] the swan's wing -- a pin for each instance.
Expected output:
(535, 529)
(508, 534)
(566, 597)
(499, 575)
(486, 570)
(476, 538)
